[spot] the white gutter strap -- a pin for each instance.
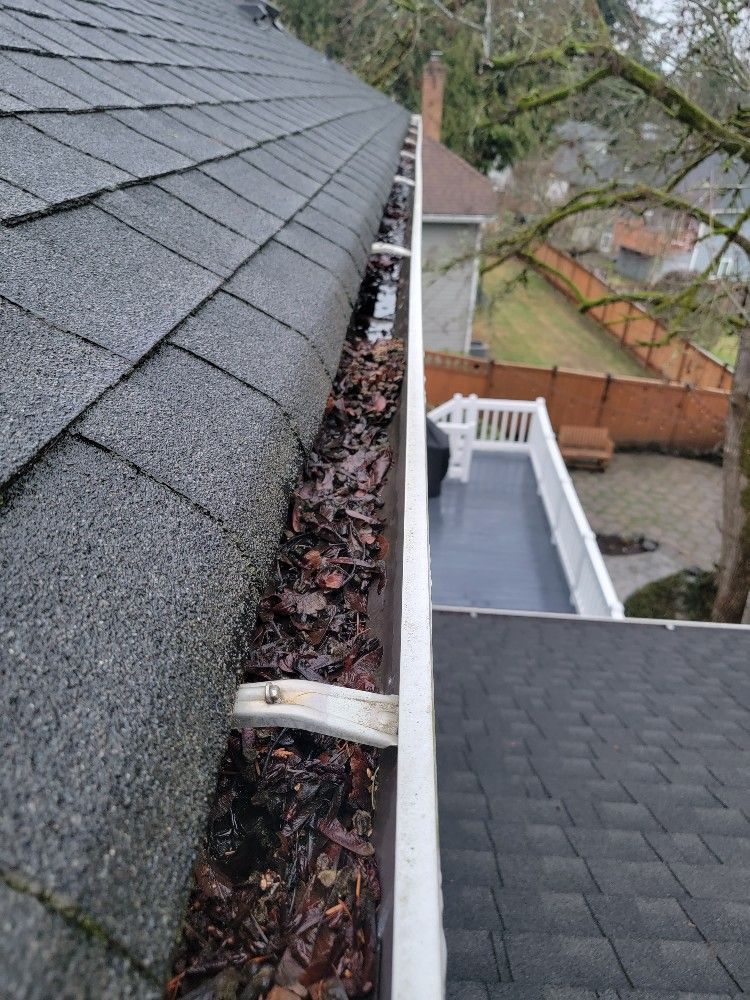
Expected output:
(390, 248)
(349, 714)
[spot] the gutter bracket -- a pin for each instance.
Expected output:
(390, 248)
(349, 714)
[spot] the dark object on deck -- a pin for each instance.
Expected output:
(625, 545)
(585, 447)
(438, 457)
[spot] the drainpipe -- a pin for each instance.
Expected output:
(474, 288)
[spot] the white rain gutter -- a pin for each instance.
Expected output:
(458, 220)
(418, 950)
(414, 952)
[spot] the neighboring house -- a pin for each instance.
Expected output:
(458, 202)
(581, 158)
(188, 201)
(662, 242)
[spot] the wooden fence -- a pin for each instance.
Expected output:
(636, 411)
(677, 360)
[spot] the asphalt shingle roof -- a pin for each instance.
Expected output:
(186, 205)
(594, 784)
(452, 186)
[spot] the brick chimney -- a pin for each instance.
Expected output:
(433, 87)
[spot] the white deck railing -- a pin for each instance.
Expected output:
(474, 424)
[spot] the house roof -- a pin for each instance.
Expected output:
(188, 202)
(451, 186)
(583, 155)
(594, 782)
(718, 184)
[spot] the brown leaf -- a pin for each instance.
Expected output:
(211, 882)
(331, 580)
(356, 600)
(296, 518)
(282, 993)
(313, 558)
(333, 829)
(303, 604)
(383, 546)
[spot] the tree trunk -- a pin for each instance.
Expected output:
(734, 566)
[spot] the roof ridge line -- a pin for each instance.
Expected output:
(70, 56)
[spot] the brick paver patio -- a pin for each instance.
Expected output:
(675, 501)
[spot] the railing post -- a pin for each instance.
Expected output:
(455, 412)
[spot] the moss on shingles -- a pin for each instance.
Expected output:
(685, 596)
(76, 918)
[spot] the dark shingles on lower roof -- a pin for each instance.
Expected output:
(48, 378)
(650, 902)
(85, 271)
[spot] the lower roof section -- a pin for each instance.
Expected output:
(594, 781)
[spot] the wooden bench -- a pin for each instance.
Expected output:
(585, 447)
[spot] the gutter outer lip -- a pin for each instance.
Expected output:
(419, 951)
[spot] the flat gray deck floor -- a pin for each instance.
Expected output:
(490, 541)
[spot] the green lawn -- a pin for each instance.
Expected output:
(725, 348)
(535, 324)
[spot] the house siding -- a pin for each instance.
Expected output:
(449, 294)
(710, 248)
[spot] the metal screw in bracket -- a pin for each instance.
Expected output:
(272, 693)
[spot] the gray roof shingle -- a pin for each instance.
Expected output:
(166, 361)
(636, 879)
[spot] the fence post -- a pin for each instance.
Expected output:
(682, 361)
(626, 328)
(654, 328)
(678, 415)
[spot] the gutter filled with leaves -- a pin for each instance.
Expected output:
(288, 882)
